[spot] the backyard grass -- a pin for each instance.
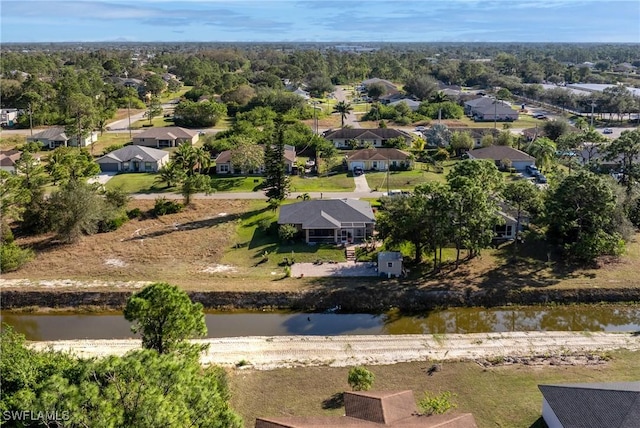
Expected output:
(341, 182)
(157, 122)
(168, 96)
(219, 244)
(500, 396)
(108, 139)
(138, 182)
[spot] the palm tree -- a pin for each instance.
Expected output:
(344, 108)
(581, 123)
(544, 150)
(171, 174)
(439, 98)
(203, 158)
(185, 158)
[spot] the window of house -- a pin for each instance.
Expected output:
(223, 167)
(389, 264)
(375, 164)
(148, 166)
(125, 165)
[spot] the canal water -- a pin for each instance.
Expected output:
(454, 320)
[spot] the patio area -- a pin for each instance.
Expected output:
(341, 269)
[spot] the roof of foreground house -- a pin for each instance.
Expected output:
(327, 213)
(594, 405)
(141, 153)
(375, 409)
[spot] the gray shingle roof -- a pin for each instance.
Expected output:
(497, 153)
(326, 213)
(386, 153)
(595, 405)
(144, 154)
(381, 133)
(168, 133)
(55, 133)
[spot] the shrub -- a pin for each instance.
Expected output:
(134, 213)
(287, 271)
(109, 225)
(287, 232)
(360, 379)
(264, 225)
(441, 155)
(436, 404)
(163, 206)
(12, 257)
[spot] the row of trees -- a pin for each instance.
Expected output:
(161, 385)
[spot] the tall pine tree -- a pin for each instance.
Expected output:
(277, 180)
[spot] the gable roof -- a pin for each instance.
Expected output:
(497, 153)
(327, 213)
(385, 153)
(364, 133)
(141, 153)
(9, 157)
(375, 409)
(386, 83)
(55, 133)
(592, 405)
(168, 133)
(494, 108)
(408, 101)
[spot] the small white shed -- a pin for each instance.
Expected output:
(390, 263)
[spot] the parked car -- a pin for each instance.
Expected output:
(421, 128)
(541, 179)
(607, 131)
(532, 170)
(358, 171)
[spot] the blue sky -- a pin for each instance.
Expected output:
(322, 20)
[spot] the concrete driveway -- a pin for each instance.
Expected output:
(102, 178)
(341, 269)
(362, 185)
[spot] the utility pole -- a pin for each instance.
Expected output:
(593, 105)
(129, 115)
(30, 119)
(495, 113)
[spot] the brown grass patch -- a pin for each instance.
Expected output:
(504, 396)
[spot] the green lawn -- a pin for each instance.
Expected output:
(168, 96)
(109, 139)
(252, 240)
(525, 121)
(138, 182)
(158, 121)
(236, 184)
(407, 180)
(336, 183)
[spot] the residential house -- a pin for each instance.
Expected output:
(133, 159)
(506, 230)
(169, 76)
(591, 405)
(128, 82)
(8, 160)
(519, 159)
(590, 153)
(391, 97)
(302, 93)
(390, 87)
(330, 220)
(412, 104)
(379, 159)
(224, 165)
(390, 263)
(373, 137)
(171, 136)
(8, 117)
(489, 109)
(55, 137)
(374, 409)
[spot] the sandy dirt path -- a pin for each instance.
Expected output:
(265, 353)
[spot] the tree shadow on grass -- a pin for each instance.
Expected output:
(336, 401)
(539, 423)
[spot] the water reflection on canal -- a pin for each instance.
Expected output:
(453, 320)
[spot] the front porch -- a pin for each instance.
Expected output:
(345, 235)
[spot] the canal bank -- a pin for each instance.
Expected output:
(364, 299)
(265, 353)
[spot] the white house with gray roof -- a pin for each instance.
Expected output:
(133, 159)
(330, 220)
(170, 136)
(55, 137)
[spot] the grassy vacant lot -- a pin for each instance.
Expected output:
(236, 184)
(158, 121)
(336, 183)
(407, 180)
(219, 245)
(109, 139)
(500, 396)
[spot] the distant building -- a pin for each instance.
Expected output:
(134, 159)
(8, 116)
(390, 263)
(171, 136)
(55, 137)
(519, 159)
(8, 160)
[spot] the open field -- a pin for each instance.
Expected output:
(138, 182)
(158, 121)
(341, 182)
(407, 180)
(498, 396)
(218, 245)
